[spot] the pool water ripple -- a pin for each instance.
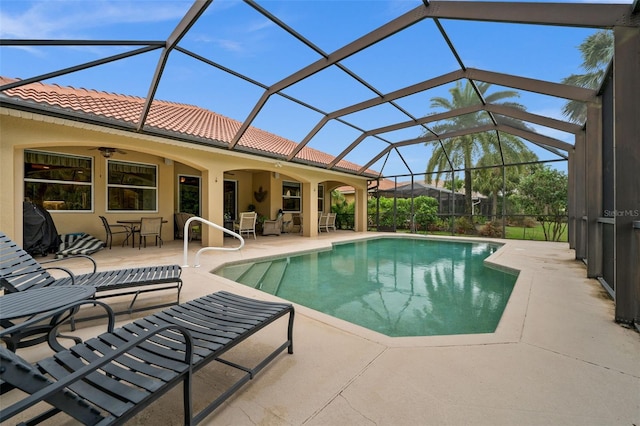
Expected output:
(395, 286)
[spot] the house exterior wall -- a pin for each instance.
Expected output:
(21, 130)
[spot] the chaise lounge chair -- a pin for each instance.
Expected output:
(110, 378)
(19, 271)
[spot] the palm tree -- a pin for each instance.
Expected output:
(489, 180)
(597, 51)
(464, 150)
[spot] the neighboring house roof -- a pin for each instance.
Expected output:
(387, 187)
(384, 184)
(381, 184)
(174, 119)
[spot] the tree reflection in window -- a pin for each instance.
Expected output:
(58, 182)
(132, 186)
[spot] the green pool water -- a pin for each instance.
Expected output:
(395, 286)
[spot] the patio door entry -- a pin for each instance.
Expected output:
(189, 194)
(230, 203)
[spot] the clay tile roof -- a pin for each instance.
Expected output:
(188, 120)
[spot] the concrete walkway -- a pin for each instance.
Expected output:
(556, 358)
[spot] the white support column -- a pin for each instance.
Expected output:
(310, 209)
(361, 219)
(212, 201)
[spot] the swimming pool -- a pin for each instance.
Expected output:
(395, 286)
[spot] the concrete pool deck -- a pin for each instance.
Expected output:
(557, 357)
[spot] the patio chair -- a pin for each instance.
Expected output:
(246, 224)
(111, 377)
(273, 227)
(287, 222)
(112, 229)
(194, 228)
(150, 227)
(296, 223)
(323, 222)
(19, 271)
(331, 221)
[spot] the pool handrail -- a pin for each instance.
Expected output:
(185, 262)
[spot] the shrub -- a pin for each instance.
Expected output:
(464, 226)
(397, 213)
(491, 229)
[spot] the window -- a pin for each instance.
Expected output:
(132, 186)
(291, 197)
(320, 198)
(57, 181)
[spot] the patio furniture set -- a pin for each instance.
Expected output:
(111, 377)
(247, 223)
(143, 228)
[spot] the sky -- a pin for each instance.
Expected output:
(235, 36)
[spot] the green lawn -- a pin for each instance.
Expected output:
(516, 233)
(536, 233)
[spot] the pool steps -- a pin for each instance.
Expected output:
(272, 279)
(253, 276)
(264, 276)
(234, 272)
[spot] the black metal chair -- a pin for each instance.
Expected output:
(114, 230)
(19, 271)
(111, 377)
(95, 383)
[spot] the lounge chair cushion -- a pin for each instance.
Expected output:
(78, 243)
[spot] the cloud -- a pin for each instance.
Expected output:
(550, 112)
(70, 19)
(245, 39)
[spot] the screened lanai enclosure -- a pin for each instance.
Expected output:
(417, 92)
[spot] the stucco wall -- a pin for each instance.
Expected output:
(20, 131)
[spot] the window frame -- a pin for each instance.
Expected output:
(320, 197)
(108, 186)
(90, 184)
(286, 199)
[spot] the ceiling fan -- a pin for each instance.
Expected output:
(108, 152)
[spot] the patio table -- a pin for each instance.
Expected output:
(133, 223)
(28, 303)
